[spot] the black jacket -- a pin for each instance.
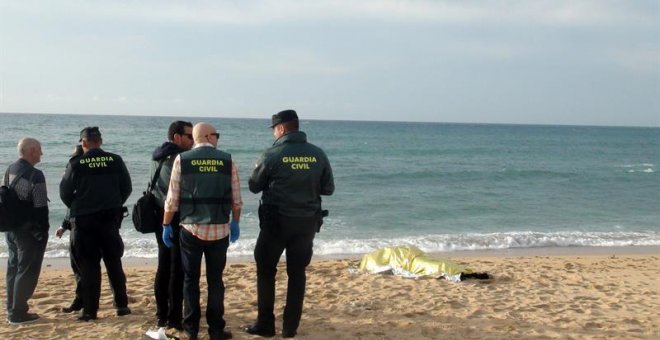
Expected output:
(293, 174)
(165, 153)
(96, 181)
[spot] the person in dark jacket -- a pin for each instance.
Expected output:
(77, 302)
(26, 244)
(291, 175)
(94, 188)
(168, 284)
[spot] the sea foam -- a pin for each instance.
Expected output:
(147, 248)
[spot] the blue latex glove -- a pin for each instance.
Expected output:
(167, 235)
(234, 231)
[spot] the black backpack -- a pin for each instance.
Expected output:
(145, 210)
(12, 209)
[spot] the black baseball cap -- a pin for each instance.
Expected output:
(89, 132)
(283, 117)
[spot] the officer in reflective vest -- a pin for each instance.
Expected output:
(205, 190)
(292, 175)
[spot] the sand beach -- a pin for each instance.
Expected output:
(601, 293)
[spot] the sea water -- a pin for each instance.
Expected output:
(441, 187)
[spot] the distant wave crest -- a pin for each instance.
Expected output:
(147, 248)
(487, 241)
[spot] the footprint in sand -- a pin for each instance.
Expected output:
(593, 325)
(456, 304)
(144, 302)
(39, 295)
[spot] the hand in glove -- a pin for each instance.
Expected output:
(167, 235)
(234, 231)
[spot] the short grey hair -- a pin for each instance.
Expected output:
(25, 144)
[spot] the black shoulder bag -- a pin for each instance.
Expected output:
(12, 210)
(145, 210)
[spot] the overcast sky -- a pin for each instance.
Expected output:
(541, 62)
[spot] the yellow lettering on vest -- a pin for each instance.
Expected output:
(300, 159)
(300, 166)
(206, 162)
(103, 159)
(299, 162)
(208, 169)
(97, 165)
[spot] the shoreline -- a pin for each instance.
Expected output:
(57, 263)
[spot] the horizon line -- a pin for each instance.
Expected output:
(343, 120)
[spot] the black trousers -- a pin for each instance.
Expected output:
(95, 237)
(296, 236)
(26, 253)
(75, 268)
(215, 256)
(78, 299)
(168, 284)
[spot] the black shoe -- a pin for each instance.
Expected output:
(71, 309)
(176, 325)
(189, 336)
(225, 335)
(75, 306)
(86, 317)
(27, 318)
(288, 333)
(123, 311)
(257, 329)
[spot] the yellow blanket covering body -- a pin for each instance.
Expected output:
(410, 261)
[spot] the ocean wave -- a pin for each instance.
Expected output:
(147, 248)
(641, 167)
(638, 165)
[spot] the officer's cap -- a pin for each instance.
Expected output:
(90, 132)
(283, 117)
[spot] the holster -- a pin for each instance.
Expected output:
(320, 215)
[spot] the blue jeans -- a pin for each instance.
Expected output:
(215, 254)
(26, 254)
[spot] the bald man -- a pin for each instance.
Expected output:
(27, 243)
(205, 190)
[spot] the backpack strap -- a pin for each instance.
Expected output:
(18, 176)
(156, 175)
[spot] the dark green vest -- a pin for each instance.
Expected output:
(205, 186)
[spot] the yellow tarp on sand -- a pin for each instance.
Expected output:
(410, 261)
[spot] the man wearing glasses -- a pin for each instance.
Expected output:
(205, 189)
(168, 285)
